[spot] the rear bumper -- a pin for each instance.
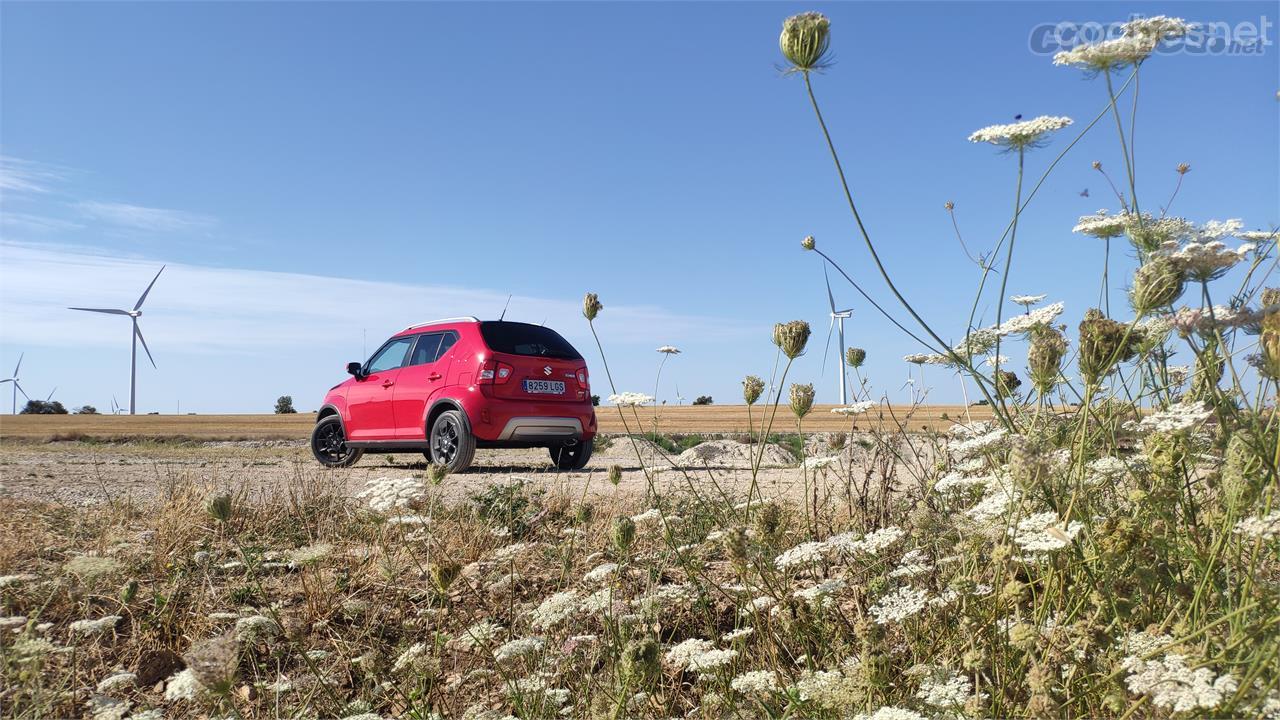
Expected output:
(533, 423)
(530, 429)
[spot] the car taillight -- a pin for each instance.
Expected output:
(493, 372)
(582, 379)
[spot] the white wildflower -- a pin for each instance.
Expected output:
(1101, 225)
(855, 408)
(480, 635)
(384, 494)
(756, 682)
(1043, 532)
(648, 516)
(630, 399)
(915, 562)
(556, 609)
(683, 653)
(890, 712)
(712, 659)
(804, 554)
(899, 605)
(819, 463)
(1178, 417)
(742, 632)
(1172, 684)
(409, 657)
(669, 350)
(518, 648)
(819, 595)
(945, 690)
(970, 446)
(1026, 300)
(601, 573)
(1019, 324)
(1026, 133)
(1266, 527)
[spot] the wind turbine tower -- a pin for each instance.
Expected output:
(133, 315)
(837, 322)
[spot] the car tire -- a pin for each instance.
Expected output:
(453, 447)
(572, 458)
(329, 444)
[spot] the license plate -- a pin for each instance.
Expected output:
(544, 387)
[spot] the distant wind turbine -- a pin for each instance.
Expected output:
(837, 318)
(51, 392)
(16, 387)
(133, 315)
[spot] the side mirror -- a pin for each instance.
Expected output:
(355, 369)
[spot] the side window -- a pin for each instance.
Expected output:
(449, 339)
(391, 356)
(426, 349)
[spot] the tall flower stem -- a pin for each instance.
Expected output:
(656, 381)
(1008, 263)
(848, 195)
(1124, 146)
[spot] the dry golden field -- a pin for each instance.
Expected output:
(678, 419)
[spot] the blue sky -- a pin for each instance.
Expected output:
(316, 172)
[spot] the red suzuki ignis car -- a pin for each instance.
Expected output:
(447, 387)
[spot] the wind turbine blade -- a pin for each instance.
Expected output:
(19, 365)
(51, 392)
(144, 292)
(830, 327)
(6, 380)
(138, 330)
(24, 392)
(830, 298)
(103, 310)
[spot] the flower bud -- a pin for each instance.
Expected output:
(801, 399)
(805, 39)
(855, 356)
(1156, 285)
(615, 474)
(1103, 343)
(791, 337)
(220, 508)
(808, 243)
(1044, 357)
(624, 533)
(752, 386)
(1007, 383)
(591, 306)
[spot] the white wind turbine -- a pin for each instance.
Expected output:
(133, 315)
(16, 387)
(837, 318)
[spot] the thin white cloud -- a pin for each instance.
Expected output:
(207, 310)
(142, 218)
(26, 176)
(37, 223)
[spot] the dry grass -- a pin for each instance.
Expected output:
(674, 419)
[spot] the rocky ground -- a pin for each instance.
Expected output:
(82, 473)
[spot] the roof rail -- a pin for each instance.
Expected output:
(464, 318)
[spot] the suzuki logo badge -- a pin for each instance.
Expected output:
(547, 371)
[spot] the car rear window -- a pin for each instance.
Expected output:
(523, 339)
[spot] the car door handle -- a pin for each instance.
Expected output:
(434, 376)
(388, 383)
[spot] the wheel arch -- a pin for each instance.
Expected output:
(329, 409)
(442, 405)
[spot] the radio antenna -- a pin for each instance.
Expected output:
(504, 308)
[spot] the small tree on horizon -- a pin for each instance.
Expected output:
(703, 400)
(43, 407)
(284, 405)
(85, 410)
